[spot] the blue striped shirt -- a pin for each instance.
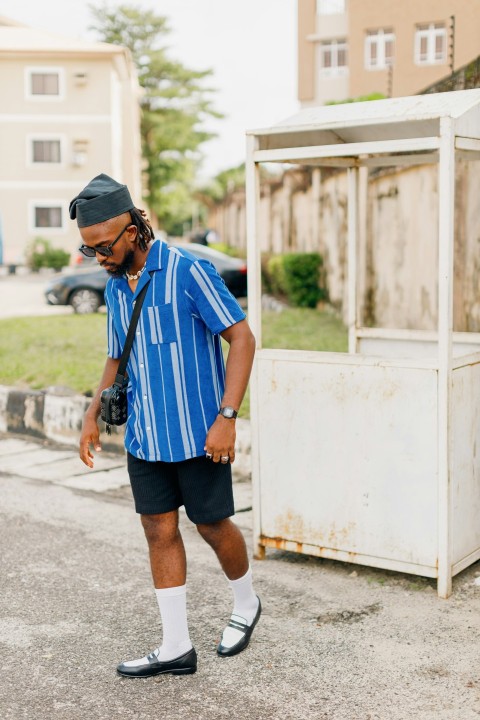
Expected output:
(176, 369)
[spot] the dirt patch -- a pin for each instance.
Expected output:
(348, 616)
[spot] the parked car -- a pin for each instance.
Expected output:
(83, 289)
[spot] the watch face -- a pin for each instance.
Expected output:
(227, 412)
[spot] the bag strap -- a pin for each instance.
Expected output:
(120, 376)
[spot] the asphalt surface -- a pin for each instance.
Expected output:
(24, 296)
(335, 641)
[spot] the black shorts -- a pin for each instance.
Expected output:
(204, 487)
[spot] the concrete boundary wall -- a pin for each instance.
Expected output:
(59, 418)
(305, 210)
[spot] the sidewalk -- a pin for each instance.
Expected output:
(335, 641)
(23, 296)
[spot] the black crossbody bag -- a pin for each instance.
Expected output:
(113, 400)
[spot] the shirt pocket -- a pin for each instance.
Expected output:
(161, 324)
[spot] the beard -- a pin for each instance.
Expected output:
(118, 270)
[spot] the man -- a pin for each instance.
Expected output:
(182, 405)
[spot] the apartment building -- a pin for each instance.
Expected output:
(69, 110)
(350, 48)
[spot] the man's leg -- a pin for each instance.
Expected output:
(228, 543)
(169, 571)
(168, 564)
(166, 549)
(207, 492)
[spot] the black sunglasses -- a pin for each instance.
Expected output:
(105, 250)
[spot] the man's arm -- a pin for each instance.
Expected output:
(90, 434)
(220, 440)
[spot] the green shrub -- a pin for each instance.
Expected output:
(41, 254)
(302, 278)
(265, 273)
(276, 275)
(360, 98)
(299, 277)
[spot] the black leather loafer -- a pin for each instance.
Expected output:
(246, 631)
(184, 665)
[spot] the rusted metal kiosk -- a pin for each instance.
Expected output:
(370, 456)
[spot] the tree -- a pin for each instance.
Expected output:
(175, 104)
(223, 184)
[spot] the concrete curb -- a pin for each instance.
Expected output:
(57, 415)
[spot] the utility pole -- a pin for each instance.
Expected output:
(390, 80)
(452, 44)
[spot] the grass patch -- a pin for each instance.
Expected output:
(67, 350)
(304, 329)
(70, 350)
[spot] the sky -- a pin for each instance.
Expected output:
(249, 44)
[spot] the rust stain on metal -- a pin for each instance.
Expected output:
(260, 552)
(291, 526)
(278, 543)
(339, 537)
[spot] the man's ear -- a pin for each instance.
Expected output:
(133, 234)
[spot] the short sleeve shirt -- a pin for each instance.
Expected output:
(176, 369)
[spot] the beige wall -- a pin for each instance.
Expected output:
(97, 123)
(328, 88)
(403, 16)
(78, 98)
(398, 263)
(408, 78)
(306, 50)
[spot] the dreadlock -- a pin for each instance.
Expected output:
(144, 228)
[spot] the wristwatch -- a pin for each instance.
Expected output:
(228, 412)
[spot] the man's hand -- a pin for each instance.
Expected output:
(220, 442)
(90, 436)
(90, 433)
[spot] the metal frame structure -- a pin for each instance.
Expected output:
(441, 370)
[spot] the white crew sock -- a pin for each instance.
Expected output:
(244, 609)
(173, 610)
(245, 600)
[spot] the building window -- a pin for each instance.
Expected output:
(48, 214)
(334, 57)
(379, 49)
(330, 7)
(430, 44)
(48, 217)
(44, 83)
(46, 151)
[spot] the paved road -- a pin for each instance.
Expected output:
(22, 296)
(335, 641)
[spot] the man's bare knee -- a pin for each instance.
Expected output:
(160, 528)
(212, 532)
